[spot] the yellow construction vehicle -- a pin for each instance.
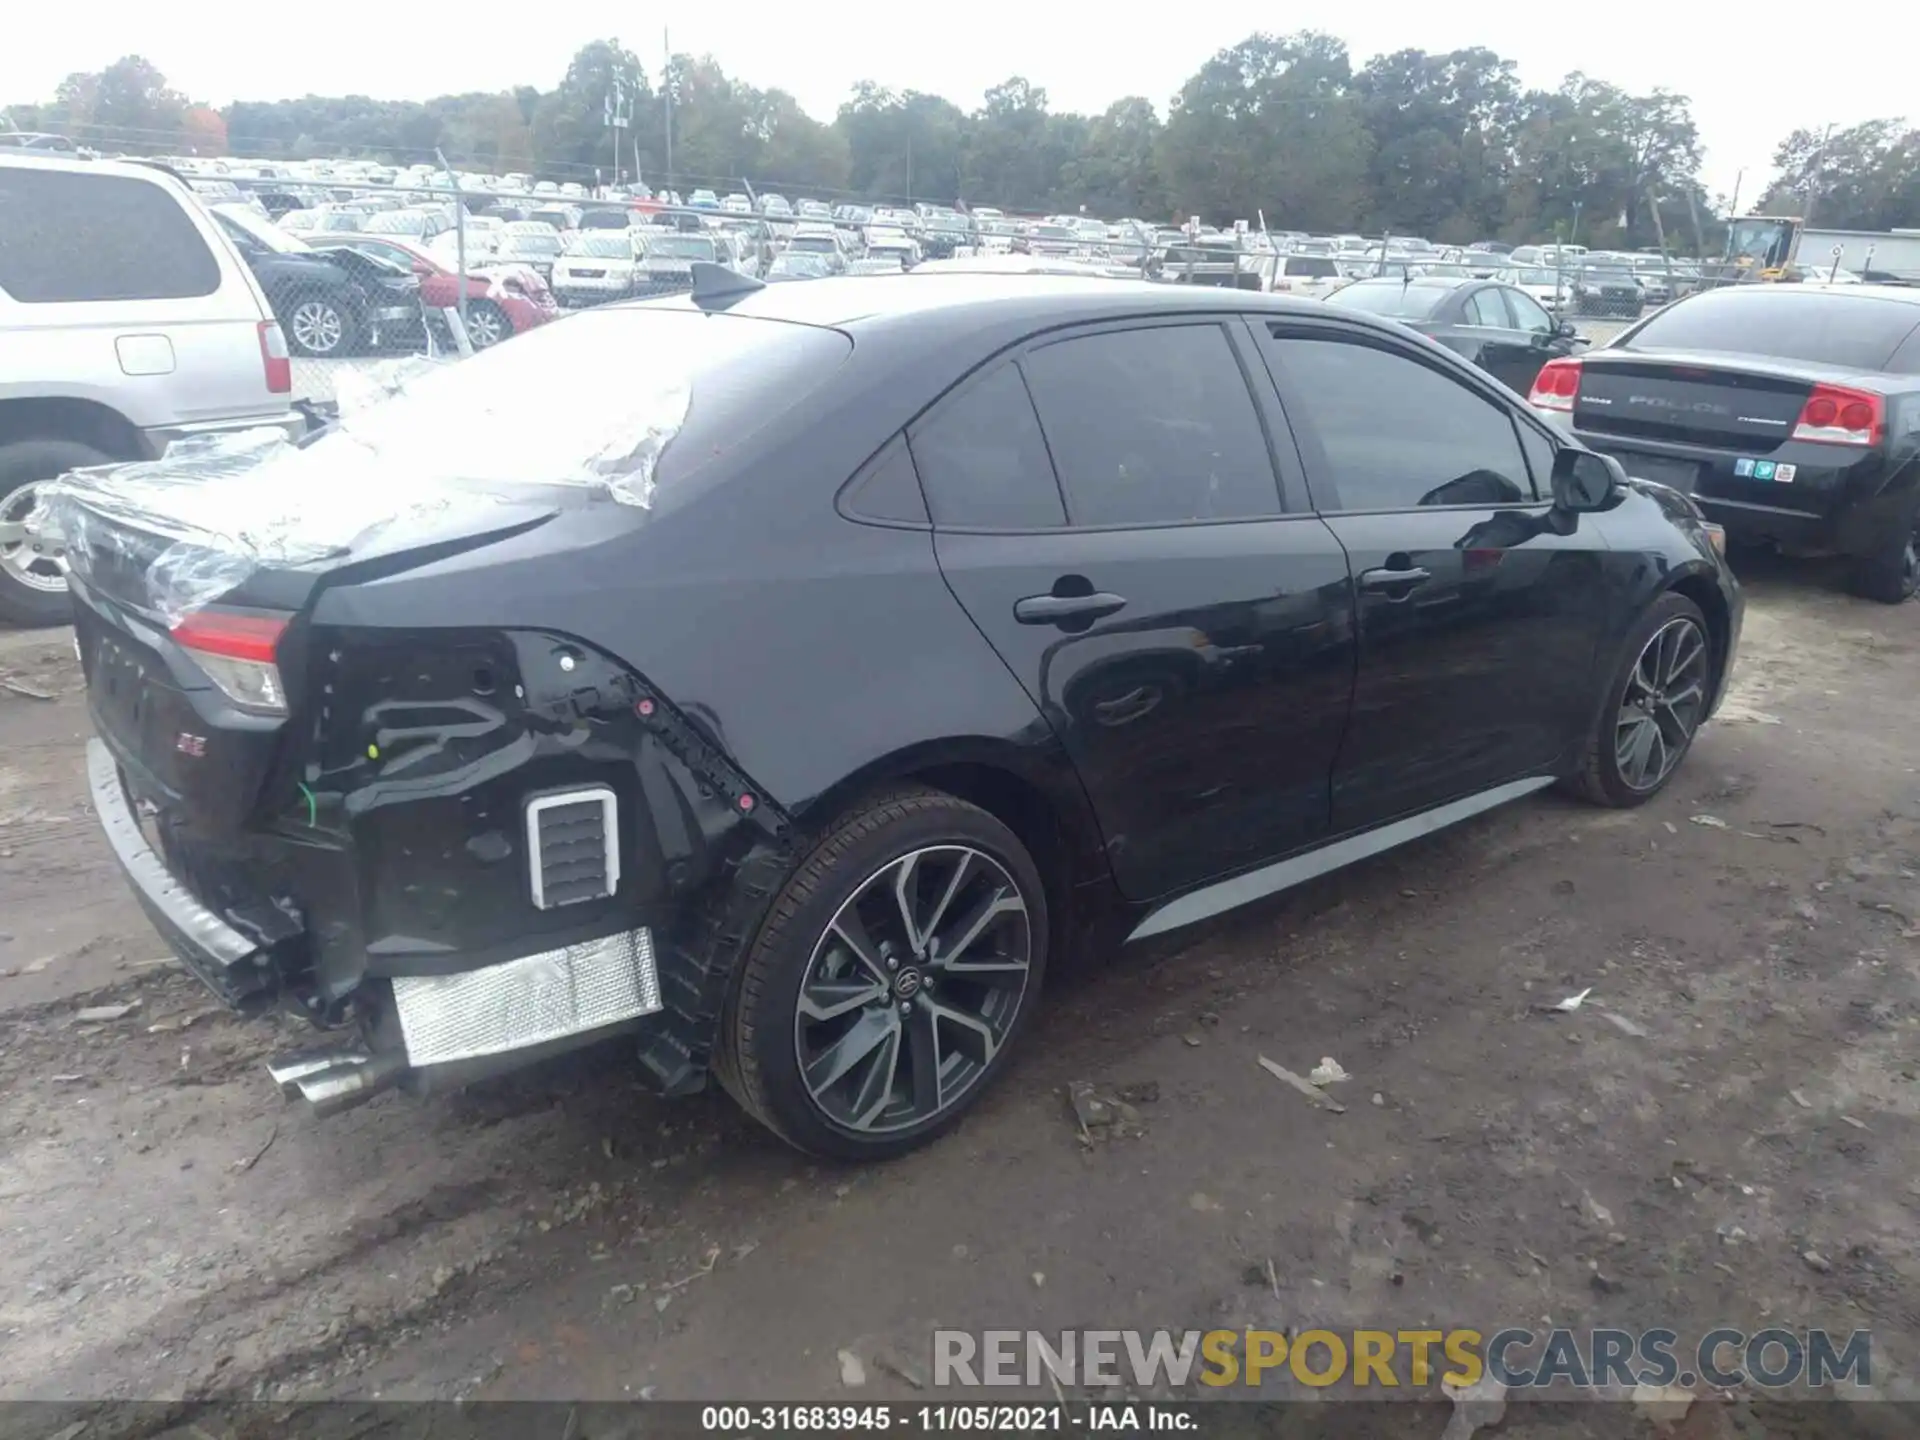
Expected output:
(1762, 247)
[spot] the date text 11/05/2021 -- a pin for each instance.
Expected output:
(949, 1417)
(1373, 1361)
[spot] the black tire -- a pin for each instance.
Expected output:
(757, 1054)
(25, 463)
(1600, 777)
(1892, 575)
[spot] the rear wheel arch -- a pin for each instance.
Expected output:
(1047, 813)
(86, 422)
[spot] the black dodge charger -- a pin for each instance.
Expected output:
(786, 675)
(1791, 413)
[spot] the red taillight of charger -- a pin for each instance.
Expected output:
(1556, 387)
(1835, 415)
(239, 653)
(275, 357)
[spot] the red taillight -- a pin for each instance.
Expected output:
(274, 356)
(1556, 386)
(1834, 415)
(238, 653)
(228, 633)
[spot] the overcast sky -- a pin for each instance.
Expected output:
(1750, 82)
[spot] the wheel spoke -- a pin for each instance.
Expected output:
(875, 1089)
(962, 872)
(969, 1029)
(1001, 902)
(824, 999)
(865, 1035)
(923, 1059)
(1687, 648)
(851, 931)
(1637, 752)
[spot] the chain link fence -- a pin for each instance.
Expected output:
(357, 273)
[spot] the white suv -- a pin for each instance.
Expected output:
(127, 321)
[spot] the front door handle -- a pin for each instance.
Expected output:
(1391, 581)
(1056, 609)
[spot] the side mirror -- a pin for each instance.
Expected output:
(1584, 481)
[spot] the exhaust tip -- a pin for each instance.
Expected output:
(337, 1080)
(288, 1070)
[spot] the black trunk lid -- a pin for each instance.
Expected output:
(1719, 401)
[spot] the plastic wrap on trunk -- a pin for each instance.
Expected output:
(415, 441)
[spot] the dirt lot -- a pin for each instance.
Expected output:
(1723, 1134)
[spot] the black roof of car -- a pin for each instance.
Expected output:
(968, 297)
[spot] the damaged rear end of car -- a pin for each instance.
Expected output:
(452, 843)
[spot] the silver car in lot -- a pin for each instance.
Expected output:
(128, 323)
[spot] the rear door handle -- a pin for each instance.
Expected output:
(1053, 609)
(1391, 580)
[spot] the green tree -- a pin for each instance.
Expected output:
(1440, 128)
(569, 131)
(1866, 177)
(1271, 125)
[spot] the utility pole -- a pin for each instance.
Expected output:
(1693, 215)
(666, 94)
(617, 116)
(1733, 206)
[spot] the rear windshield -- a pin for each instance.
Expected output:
(683, 247)
(1855, 332)
(603, 246)
(1312, 265)
(606, 375)
(1401, 302)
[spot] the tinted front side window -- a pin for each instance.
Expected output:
(1397, 434)
(983, 461)
(1860, 332)
(97, 237)
(1152, 427)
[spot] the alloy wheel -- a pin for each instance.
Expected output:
(484, 327)
(913, 989)
(25, 557)
(1666, 697)
(318, 327)
(1910, 562)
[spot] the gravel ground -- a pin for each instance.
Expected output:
(1739, 1090)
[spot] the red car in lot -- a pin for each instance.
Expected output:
(500, 303)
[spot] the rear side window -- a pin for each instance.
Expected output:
(1484, 308)
(1152, 427)
(1396, 434)
(67, 237)
(1859, 332)
(983, 461)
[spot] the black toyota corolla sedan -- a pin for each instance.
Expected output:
(786, 675)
